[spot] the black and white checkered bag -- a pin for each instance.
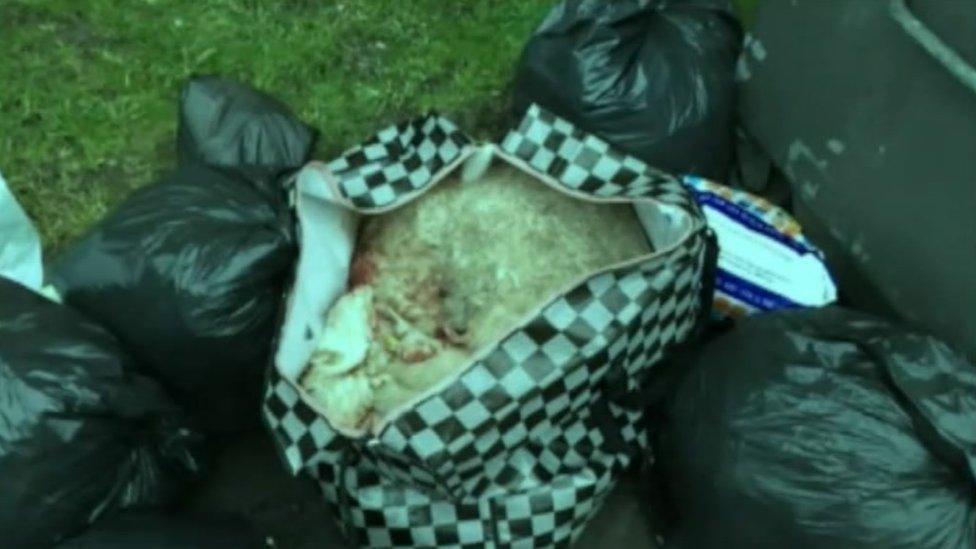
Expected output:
(523, 446)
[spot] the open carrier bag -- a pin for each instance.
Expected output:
(521, 446)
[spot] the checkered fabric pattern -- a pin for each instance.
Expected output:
(586, 163)
(522, 449)
(397, 162)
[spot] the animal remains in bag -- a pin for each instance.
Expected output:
(442, 278)
(495, 331)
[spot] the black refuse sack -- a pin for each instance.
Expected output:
(224, 123)
(874, 129)
(81, 434)
(160, 531)
(823, 428)
(188, 272)
(653, 77)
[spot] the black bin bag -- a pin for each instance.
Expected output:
(188, 272)
(81, 434)
(822, 429)
(868, 109)
(225, 123)
(655, 78)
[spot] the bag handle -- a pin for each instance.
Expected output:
(932, 44)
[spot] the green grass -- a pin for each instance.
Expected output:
(88, 88)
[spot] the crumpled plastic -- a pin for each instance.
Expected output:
(81, 434)
(189, 271)
(822, 429)
(655, 78)
(224, 123)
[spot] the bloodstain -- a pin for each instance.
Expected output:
(413, 356)
(362, 271)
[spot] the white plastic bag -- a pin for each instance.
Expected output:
(20, 245)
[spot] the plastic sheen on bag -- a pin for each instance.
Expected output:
(822, 429)
(82, 435)
(227, 124)
(522, 446)
(655, 78)
(189, 271)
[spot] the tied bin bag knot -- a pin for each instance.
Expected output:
(523, 443)
(655, 78)
(188, 271)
